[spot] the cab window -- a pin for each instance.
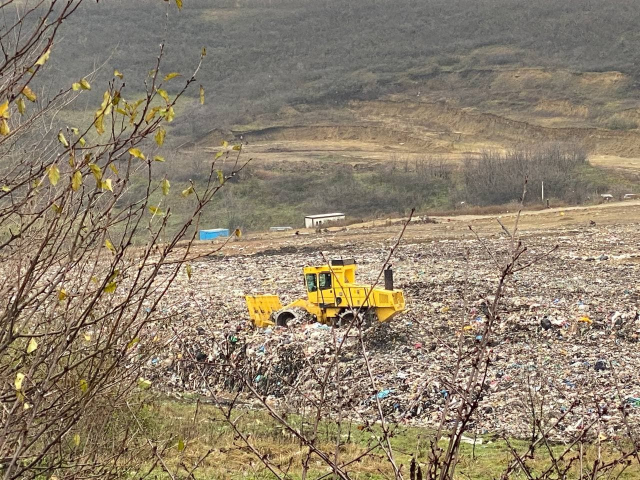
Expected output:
(325, 281)
(312, 283)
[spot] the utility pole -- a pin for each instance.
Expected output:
(543, 192)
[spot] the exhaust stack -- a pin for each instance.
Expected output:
(388, 279)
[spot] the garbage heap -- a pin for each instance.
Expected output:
(563, 350)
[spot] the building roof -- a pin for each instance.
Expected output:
(325, 215)
(215, 230)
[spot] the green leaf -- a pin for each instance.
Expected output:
(165, 187)
(160, 134)
(62, 139)
(180, 445)
(84, 386)
(144, 384)
(110, 287)
(109, 245)
(44, 57)
(97, 172)
(54, 175)
(106, 185)
(21, 105)
(164, 95)
(19, 381)
(155, 210)
(171, 75)
(137, 153)
(33, 346)
(27, 92)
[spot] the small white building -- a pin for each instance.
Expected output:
(312, 221)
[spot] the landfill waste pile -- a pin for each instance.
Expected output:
(565, 343)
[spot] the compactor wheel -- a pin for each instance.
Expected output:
(346, 318)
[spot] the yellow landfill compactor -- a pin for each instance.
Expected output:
(333, 298)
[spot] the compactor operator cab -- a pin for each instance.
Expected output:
(327, 285)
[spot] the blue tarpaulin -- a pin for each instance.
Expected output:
(214, 233)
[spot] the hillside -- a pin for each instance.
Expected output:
(362, 85)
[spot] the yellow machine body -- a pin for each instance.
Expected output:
(332, 296)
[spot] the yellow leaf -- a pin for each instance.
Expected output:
(109, 245)
(18, 381)
(43, 59)
(201, 95)
(143, 383)
(76, 440)
(54, 174)
(180, 445)
(27, 92)
(179, 4)
(85, 85)
(106, 185)
(171, 75)
(81, 141)
(22, 107)
(33, 346)
(76, 180)
(204, 51)
(132, 343)
(76, 86)
(152, 113)
(158, 158)
(237, 233)
(87, 337)
(62, 294)
(237, 148)
(189, 270)
(56, 208)
(100, 124)
(26, 406)
(219, 154)
(113, 168)
(84, 385)
(4, 128)
(137, 153)
(74, 130)
(187, 191)
(165, 187)
(111, 287)
(62, 139)
(155, 210)
(170, 115)
(220, 176)
(160, 134)
(585, 320)
(4, 110)
(116, 73)
(224, 144)
(97, 172)
(5, 188)
(163, 94)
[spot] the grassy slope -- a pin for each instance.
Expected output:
(172, 420)
(512, 58)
